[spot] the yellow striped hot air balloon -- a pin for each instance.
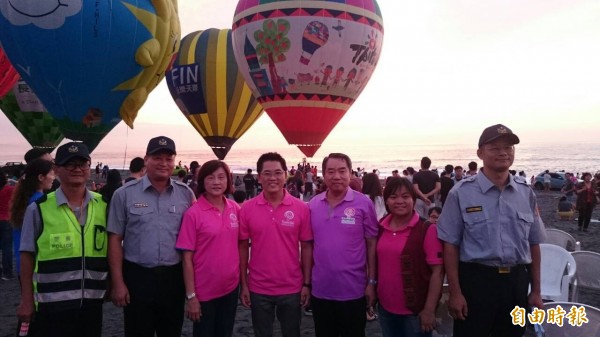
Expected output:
(208, 88)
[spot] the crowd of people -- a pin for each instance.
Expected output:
(342, 246)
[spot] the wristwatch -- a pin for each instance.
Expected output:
(190, 296)
(372, 281)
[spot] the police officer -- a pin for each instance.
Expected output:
(143, 223)
(491, 232)
(63, 253)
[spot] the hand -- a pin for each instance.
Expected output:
(427, 201)
(457, 306)
(193, 310)
(245, 297)
(120, 294)
(535, 300)
(25, 310)
(305, 297)
(370, 295)
(427, 319)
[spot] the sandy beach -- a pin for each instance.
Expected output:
(113, 318)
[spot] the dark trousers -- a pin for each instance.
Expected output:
(491, 296)
(6, 241)
(585, 215)
(218, 316)
(81, 322)
(156, 300)
(287, 308)
(339, 318)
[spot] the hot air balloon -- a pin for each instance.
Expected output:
(28, 115)
(209, 90)
(307, 61)
(8, 74)
(92, 63)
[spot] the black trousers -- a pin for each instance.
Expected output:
(491, 296)
(339, 318)
(585, 214)
(218, 316)
(82, 322)
(157, 298)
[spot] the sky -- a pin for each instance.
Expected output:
(447, 70)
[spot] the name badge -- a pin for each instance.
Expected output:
(474, 209)
(348, 221)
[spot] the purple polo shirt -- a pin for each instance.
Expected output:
(340, 250)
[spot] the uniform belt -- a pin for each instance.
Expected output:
(496, 269)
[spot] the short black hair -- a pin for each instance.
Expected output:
(425, 162)
(341, 156)
(270, 156)
(136, 165)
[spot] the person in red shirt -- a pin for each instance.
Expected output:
(6, 239)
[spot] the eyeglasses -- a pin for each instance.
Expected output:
(71, 166)
(269, 174)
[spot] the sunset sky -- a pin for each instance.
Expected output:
(447, 70)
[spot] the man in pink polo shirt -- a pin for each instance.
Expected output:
(344, 224)
(277, 278)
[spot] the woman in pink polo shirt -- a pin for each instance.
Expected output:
(409, 257)
(208, 239)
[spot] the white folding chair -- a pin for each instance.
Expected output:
(589, 329)
(557, 271)
(588, 272)
(562, 239)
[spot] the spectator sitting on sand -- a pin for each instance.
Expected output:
(565, 209)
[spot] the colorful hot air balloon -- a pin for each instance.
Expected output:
(92, 63)
(209, 90)
(28, 115)
(8, 74)
(307, 61)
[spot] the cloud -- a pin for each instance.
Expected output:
(45, 14)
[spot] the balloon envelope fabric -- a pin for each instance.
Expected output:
(8, 74)
(209, 90)
(92, 63)
(307, 61)
(25, 111)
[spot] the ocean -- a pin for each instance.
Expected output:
(532, 158)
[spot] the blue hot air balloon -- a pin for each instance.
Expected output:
(91, 63)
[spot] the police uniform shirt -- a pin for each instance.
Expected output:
(32, 223)
(492, 227)
(149, 221)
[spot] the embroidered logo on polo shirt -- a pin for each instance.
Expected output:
(474, 209)
(288, 220)
(234, 220)
(349, 219)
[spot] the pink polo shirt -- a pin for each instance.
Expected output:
(274, 267)
(213, 237)
(389, 272)
(340, 250)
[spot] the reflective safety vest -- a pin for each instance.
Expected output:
(71, 266)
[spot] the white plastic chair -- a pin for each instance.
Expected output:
(588, 272)
(562, 239)
(592, 328)
(557, 271)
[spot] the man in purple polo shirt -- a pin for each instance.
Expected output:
(344, 226)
